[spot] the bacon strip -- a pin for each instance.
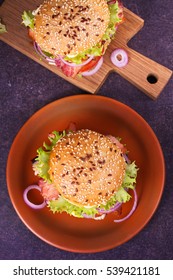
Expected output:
(69, 71)
(48, 191)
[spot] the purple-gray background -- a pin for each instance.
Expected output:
(26, 86)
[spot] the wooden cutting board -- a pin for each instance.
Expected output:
(144, 73)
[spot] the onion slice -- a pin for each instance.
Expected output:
(98, 218)
(94, 70)
(87, 216)
(29, 203)
(132, 210)
(42, 54)
(128, 161)
(119, 58)
(101, 217)
(74, 64)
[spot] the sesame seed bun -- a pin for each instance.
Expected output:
(86, 168)
(68, 27)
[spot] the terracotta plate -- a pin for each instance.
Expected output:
(104, 115)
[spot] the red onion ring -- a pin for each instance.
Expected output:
(115, 58)
(132, 210)
(87, 216)
(29, 203)
(128, 161)
(74, 64)
(94, 70)
(94, 218)
(41, 53)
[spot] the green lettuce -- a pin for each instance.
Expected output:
(96, 51)
(41, 164)
(2, 27)
(28, 19)
(61, 205)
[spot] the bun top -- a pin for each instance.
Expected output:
(68, 27)
(86, 168)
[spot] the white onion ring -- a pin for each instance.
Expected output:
(119, 62)
(74, 64)
(29, 203)
(95, 69)
(132, 210)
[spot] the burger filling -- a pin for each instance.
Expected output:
(57, 203)
(116, 17)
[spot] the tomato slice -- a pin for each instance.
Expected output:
(90, 65)
(31, 34)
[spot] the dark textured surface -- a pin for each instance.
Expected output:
(26, 87)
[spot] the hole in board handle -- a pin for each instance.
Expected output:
(152, 79)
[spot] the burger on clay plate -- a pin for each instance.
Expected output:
(83, 173)
(74, 34)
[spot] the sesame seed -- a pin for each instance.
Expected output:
(92, 175)
(68, 14)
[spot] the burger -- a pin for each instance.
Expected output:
(84, 173)
(74, 34)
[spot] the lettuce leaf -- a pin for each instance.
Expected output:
(128, 183)
(28, 19)
(61, 205)
(41, 164)
(114, 15)
(97, 50)
(54, 138)
(2, 27)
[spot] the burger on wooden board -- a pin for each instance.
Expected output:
(84, 173)
(74, 34)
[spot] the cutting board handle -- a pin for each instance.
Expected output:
(146, 74)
